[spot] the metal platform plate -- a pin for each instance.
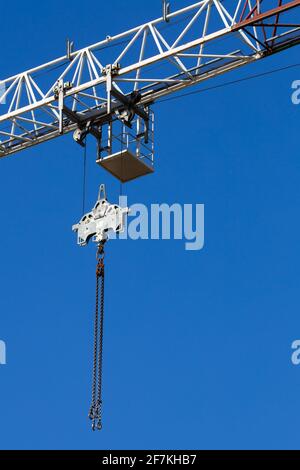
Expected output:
(125, 166)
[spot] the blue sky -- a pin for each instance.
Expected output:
(197, 344)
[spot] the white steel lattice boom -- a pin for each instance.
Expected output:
(198, 42)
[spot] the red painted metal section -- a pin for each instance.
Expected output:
(258, 17)
(276, 20)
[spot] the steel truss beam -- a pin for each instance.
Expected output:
(196, 43)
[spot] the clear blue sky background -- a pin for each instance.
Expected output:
(197, 345)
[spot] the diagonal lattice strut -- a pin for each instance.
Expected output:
(199, 42)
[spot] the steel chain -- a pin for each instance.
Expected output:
(95, 413)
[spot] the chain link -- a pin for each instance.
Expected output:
(95, 413)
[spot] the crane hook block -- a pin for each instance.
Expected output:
(104, 218)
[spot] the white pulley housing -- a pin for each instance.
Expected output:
(97, 224)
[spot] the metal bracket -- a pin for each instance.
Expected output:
(109, 72)
(130, 104)
(70, 49)
(166, 10)
(125, 108)
(112, 69)
(59, 92)
(102, 192)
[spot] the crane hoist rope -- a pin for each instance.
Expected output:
(96, 225)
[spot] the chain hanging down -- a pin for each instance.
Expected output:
(96, 226)
(95, 413)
